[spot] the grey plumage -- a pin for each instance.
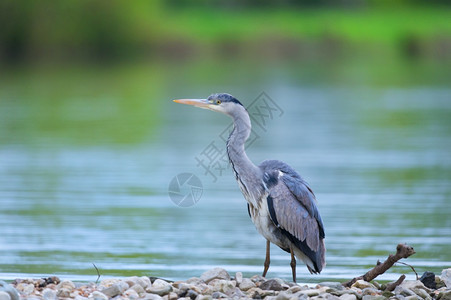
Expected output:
(280, 203)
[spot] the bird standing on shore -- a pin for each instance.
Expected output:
(280, 203)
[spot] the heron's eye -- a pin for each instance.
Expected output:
(218, 102)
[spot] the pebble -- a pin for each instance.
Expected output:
(49, 294)
(446, 277)
(139, 289)
(272, 284)
(238, 277)
(445, 295)
(373, 297)
(223, 286)
(96, 295)
(4, 296)
(361, 284)
(160, 287)
(428, 279)
(131, 294)
(216, 273)
(247, 284)
(66, 284)
(152, 297)
(348, 297)
(116, 289)
(217, 284)
(25, 288)
(10, 290)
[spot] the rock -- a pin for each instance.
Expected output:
(370, 291)
(238, 277)
(216, 273)
(348, 297)
(224, 286)
(131, 281)
(49, 294)
(352, 291)
(439, 282)
(116, 289)
(108, 282)
(139, 289)
(131, 294)
(387, 294)
(371, 297)
(96, 295)
(247, 284)
(10, 290)
(204, 297)
(445, 295)
(143, 281)
(191, 294)
(238, 294)
(172, 296)
(194, 281)
(446, 277)
(258, 279)
(4, 296)
(66, 284)
(218, 295)
(361, 284)
(414, 297)
(152, 297)
(417, 287)
(422, 293)
(25, 288)
(309, 292)
(299, 296)
(160, 287)
(272, 284)
(333, 285)
(284, 295)
(399, 290)
(257, 293)
(63, 293)
(326, 296)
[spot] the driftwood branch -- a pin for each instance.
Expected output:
(391, 286)
(402, 251)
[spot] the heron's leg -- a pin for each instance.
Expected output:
(267, 259)
(293, 265)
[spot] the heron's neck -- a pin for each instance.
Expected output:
(247, 174)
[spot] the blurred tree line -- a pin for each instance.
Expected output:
(105, 30)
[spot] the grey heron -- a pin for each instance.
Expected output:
(280, 203)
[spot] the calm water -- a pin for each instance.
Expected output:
(378, 159)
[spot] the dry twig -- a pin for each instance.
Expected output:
(413, 269)
(98, 273)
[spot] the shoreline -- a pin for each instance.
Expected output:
(218, 283)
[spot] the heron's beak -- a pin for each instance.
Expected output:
(202, 103)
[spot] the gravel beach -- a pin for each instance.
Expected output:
(218, 283)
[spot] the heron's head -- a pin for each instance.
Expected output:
(222, 102)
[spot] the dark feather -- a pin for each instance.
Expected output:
(292, 208)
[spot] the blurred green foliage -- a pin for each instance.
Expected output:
(111, 30)
(98, 71)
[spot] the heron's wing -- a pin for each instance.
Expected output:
(292, 208)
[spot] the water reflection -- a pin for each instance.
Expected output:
(378, 160)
